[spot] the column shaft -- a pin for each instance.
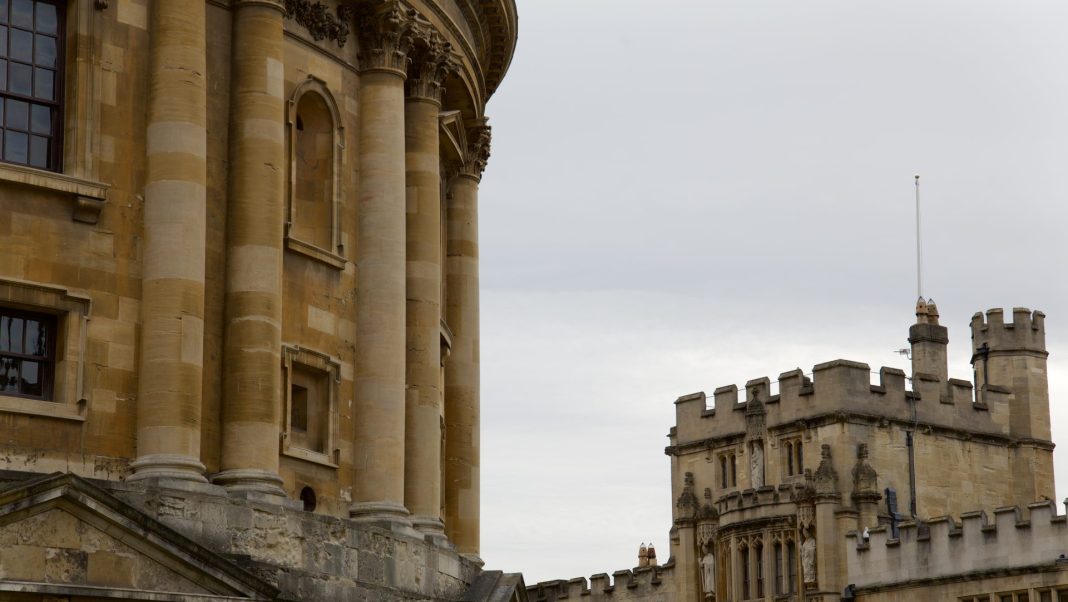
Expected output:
(422, 455)
(172, 310)
(252, 403)
(462, 369)
(378, 445)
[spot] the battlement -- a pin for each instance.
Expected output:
(630, 584)
(842, 386)
(943, 547)
(1026, 332)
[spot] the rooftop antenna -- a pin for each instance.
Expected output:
(919, 247)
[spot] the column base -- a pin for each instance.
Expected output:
(386, 515)
(175, 467)
(433, 530)
(251, 481)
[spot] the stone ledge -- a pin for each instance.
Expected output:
(89, 196)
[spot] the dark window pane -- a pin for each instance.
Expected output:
(3, 41)
(46, 18)
(31, 379)
(3, 11)
(20, 78)
(22, 13)
(17, 115)
(3, 74)
(21, 45)
(40, 119)
(45, 51)
(13, 327)
(44, 83)
(5, 335)
(41, 344)
(30, 331)
(39, 152)
(9, 375)
(15, 147)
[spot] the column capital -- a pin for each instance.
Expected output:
(478, 151)
(386, 29)
(432, 61)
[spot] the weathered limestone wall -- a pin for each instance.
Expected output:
(1012, 551)
(306, 556)
(646, 584)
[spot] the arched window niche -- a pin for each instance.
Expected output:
(316, 146)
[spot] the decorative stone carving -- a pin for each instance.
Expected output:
(826, 477)
(387, 32)
(708, 570)
(432, 62)
(687, 502)
(808, 560)
(865, 479)
(318, 20)
(478, 151)
(756, 465)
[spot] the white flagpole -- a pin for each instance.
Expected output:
(919, 247)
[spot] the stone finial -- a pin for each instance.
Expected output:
(432, 63)
(826, 478)
(865, 479)
(643, 555)
(687, 502)
(386, 29)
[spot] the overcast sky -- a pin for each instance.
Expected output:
(685, 194)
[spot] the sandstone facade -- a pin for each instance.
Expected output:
(254, 265)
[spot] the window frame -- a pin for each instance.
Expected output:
(328, 368)
(48, 360)
(71, 313)
(57, 104)
(334, 255)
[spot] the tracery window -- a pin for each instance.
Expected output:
(728, 470)
(31, 82)
(758, 554)
(744, 558)
(793, 457)
(777, 550)
(791, 567)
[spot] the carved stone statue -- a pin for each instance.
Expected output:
(756, 466)
(808, 559)
(708, 571)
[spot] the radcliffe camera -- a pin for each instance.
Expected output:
(533, 301)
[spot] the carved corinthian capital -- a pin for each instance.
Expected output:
(478, 151)
(386, 29)
(432, 62)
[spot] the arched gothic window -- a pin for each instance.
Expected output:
(316, 144)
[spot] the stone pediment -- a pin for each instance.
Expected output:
(62, 536)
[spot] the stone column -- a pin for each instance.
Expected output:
(252, 388)
(378, 440)
(172, 304)
(462, 369)
(432, 62)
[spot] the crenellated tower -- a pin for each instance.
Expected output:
(1011, 358)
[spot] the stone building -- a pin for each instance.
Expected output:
(239, 311)
(847, 484)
